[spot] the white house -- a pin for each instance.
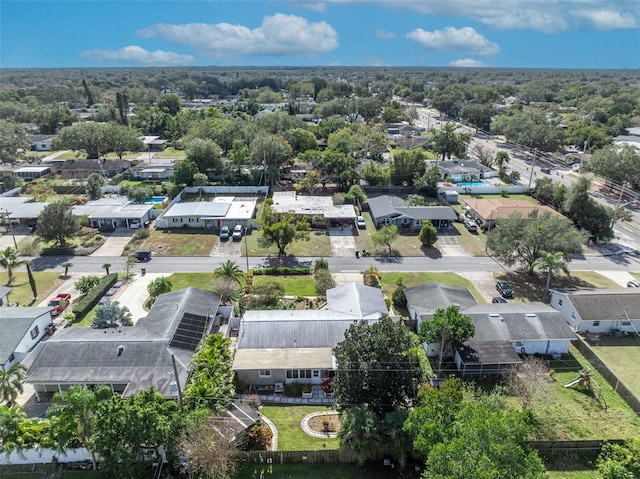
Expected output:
(221, 211)
(20, 330)
(599, 310)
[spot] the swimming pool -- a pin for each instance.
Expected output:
(469, 184)
(156, 199)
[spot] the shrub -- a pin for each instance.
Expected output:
(87, 303)
(86, 283)
(358, 192)
(253, 401)
(323, 281)
(141, 234)
(504, 193)
(338, 198)
(398, 296)
(259, 438)
(293, 389)
(307, 388)
(349, 199)
(321, 263)
(281, 271)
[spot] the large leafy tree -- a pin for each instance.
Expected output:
(586, 213)
(529, 127)
(405, 164)
(184, 172)
(332, 166)
(90, 137)
(301, 140)
(211, 382)
(272, 153)
(206, 154)
(281, 229)
(57, 222)
(522, 240)
(446, 142)
(13, 142)
(120, 138)
(94, 185)
(449, 328)
(124, 429)
(617, 163)
(11, 382)
(72, 416)
(377, 367)
(10, 260)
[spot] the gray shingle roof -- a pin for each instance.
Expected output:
(429, 212)
(601, 304)
(357, 299)
(15, 322)
(427, 298)
(518, 321)
(385, 205)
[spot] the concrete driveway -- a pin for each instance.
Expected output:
(134, 292)
(484, 283)
(343, 243)
(115, 242)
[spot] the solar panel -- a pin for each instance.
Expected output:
(189, 332)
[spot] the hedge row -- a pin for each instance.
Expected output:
(281, 271)
(86, 304)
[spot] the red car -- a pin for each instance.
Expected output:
(59, 302)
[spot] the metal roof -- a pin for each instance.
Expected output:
(487, 353)
(292, 334)
(358, 300)
(212, 209)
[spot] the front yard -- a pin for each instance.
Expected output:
(317, 245)
(177, 242)
(46, 283)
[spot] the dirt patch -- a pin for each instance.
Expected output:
(325, 423)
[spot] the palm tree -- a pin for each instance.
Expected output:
(10, 420)
(501, 161)
(106, 267)
(66, 265)
(229, 269)
(9, 260)
(11, 383)
(159, 286)
(551, 263)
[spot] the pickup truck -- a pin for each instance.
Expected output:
(59, 302)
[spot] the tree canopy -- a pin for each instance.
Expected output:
(376, 366)
(617, 163)
(281, 229)
(57, 222)
(446, 142)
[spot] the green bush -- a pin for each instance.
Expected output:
(141, 234)
(399, 299)
(86, 304)
(504, 193)
(281, 271)
(349, 199)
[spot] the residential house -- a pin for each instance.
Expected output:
(425, 299)
(221, 211)
(21, 329)
(112, 212)
(154, 172)
(297, 345)
(20, 208)
(41, 142)
(28, 173)
(458, 171)
(130, 359)
(314, 206)
(602, 310)
(489, 211)
(153, 143)
(82, 169)
(392, 210)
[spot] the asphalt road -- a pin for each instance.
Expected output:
(460, 264)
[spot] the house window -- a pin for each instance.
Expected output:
(177, 220)
(626, 323)
(292, 374)
(34, 332)
(264, 373)
(193, 220)
(519, 344)
(316, 373)
(596, 323)
(559, 302)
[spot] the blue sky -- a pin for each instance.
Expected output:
(436, 33)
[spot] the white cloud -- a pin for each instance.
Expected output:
(605, 19)
(380, 33)
(451, 39)
(373, 61)
(319, 7)
(138, 56)
(279, 34)
(467, 62)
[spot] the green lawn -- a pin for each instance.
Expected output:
(194, 280)
(179, 242)
(170, 153)
(622, 356)
(70, 155)
(571, 468)
(291, 437)
(474, 243)
(293, 285)
(321, 471)
(390, 279)
(574, 413)
(46, 283)
(530, 287)
(317, 245)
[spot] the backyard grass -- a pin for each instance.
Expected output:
(622, 356)
(291, 437)
(171, 242)
(390, 280)
(293, 285)
(46, 283)
(317, 245)
(530, 287)
(321, 471)
(574, 413)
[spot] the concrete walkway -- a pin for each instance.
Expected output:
(619, 277)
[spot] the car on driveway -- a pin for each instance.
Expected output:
(498, 299)
(504, 289)
(237, 233)
(634, 283)
(362, 224)
(224, 233)
(59, 302)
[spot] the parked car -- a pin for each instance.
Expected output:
(546, 169)
(504, 289)
(59, 302)
(362, 224)
(224, 233)
(237, 233)
(634, 283)
(135, 224)
(471, 225)
(498, 299)
(576, 168)
(143, 255)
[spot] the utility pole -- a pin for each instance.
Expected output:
(615, 210)
(535, 157)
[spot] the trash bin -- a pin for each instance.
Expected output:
(144, 271)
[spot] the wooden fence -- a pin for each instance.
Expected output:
(298, 457)
(578, 448)
(620, 387)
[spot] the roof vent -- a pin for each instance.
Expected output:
(494, 315)
(530, 315)
(120, 350)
